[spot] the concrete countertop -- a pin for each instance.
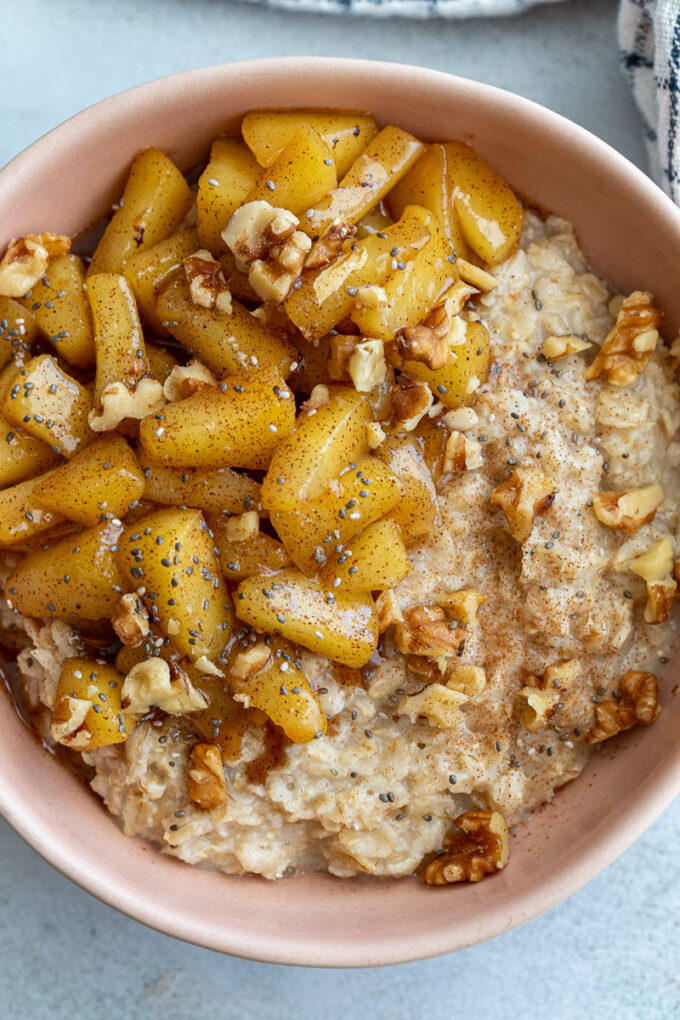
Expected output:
(612, 950)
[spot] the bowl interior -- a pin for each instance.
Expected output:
(631, 233)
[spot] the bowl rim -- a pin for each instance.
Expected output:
(653, 795)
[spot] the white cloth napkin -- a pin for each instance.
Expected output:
(410, 8)
(649, 39)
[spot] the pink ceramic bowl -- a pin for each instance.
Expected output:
(631, 232)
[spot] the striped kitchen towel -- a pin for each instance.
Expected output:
(649, 39)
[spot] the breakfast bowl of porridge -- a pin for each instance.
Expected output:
(339, 507)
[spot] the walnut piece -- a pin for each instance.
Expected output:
(660, 598)
(375, 435)
(206, 782)
(243, 527)
(366, 365)
(67, 725)
(426, 631)
(437, 703)
(479, 847)
(185, 380)
(475, 276)
(462, 604)
(655, 564)
(164, 685)
(207, 284)
(525, 494)
(329, 246)
(410, 402)
(266, 244)
(388, 610)
(556, 347)
(428, 342)
(542, 694)
(27, 259)
(118, 403)
(629, 346)
(462, 454)
(461, 419)
(637, 703)
(628, 511)
(252, 661)
(130, 620)
(469, 680)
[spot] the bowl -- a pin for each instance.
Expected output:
(631, 233)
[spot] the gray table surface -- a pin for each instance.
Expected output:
(612, 950)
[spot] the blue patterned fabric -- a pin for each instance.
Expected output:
(409, 8)
(649, 39)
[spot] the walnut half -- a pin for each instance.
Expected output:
(425, 631)
(479, 847)
(637, 703)
(206, 782)
(629, 346)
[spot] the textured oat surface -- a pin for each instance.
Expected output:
(618, 939)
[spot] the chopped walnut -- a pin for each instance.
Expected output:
(366, 365)
(67, 725)
(371, 297)
(167, 686)
(206, 782)
(540, 705)
(556, 347)
(410, 402)
(461, 419)
(266, 244)
(628, 511)
(462, 604)
(426, 631)
(479, 847)
(328, 247)
(428, 342)
(341, 347)
(375, 435)
(243, 527)
(425, 667)
(475, 276)
(388, 610)
(469, 680)
(27, 259)
(655, 564)
(462, 454)
(130, 620)
(525, 494)
(630, 345)
(660, 597)
(185, 380)
(543, 694)
(207, 284)
(119, 403)
(251, 662)
(438, 704)
(637, 703)
(319, 397)
(457, 296)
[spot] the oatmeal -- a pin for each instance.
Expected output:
(377, 631)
